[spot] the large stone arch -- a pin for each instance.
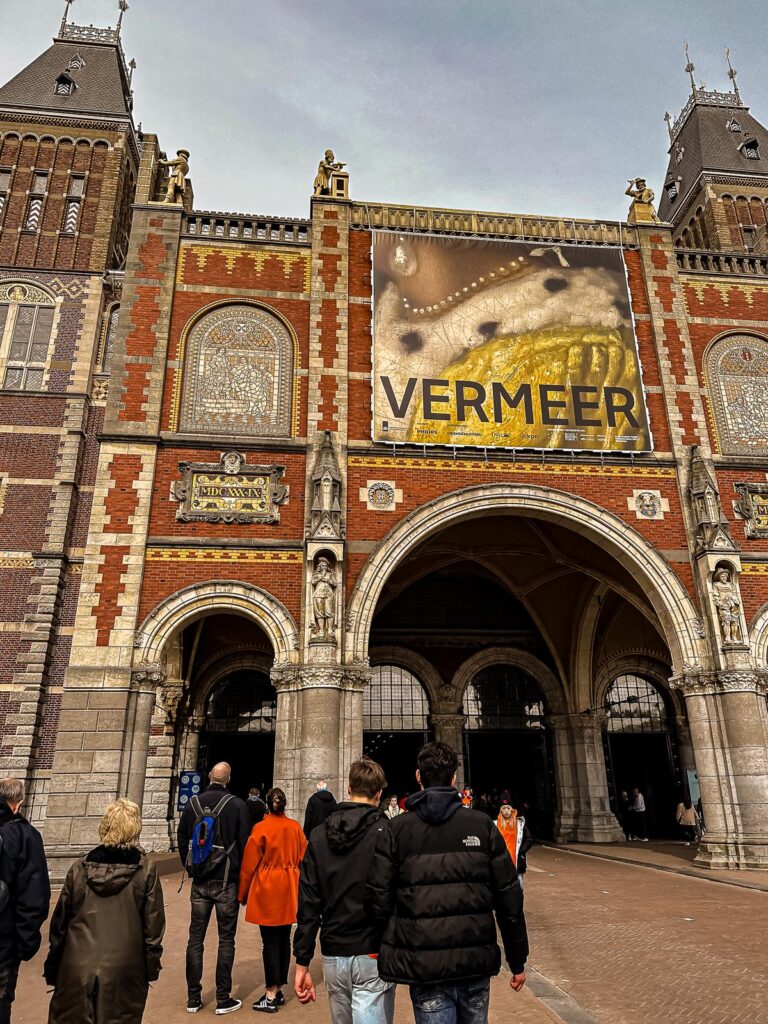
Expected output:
(758, 637)
(666, 593)
(550, 685)
(217, 597)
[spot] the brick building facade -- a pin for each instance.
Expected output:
(205, 555)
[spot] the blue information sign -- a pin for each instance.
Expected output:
(190, 784)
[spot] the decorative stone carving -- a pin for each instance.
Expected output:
(100, 389)
(324, 584)
(177, 183)
(752, 507)
(698, 628)
(642, 209)
(712, 531)
(648, 504)
(695, 682)
(381, 495)
(149, 672)
(170, 696)
(238, 374)
(727, 601)
(325, 169)
(11, 291)
(229, 491)
(325, 521)
(737, 375)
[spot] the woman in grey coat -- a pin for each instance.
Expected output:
(106, 932)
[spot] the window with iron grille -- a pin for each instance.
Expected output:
(503, 697)
(635, 705)
(25, 336)
(394, 701)
(244, 703)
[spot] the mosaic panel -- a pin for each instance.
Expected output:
(238, 372)
(737, 373)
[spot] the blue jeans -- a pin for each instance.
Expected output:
(356, 993)
(457, 1002)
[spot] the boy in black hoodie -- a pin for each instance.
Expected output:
(332, 883)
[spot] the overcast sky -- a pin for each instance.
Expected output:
(524, 106)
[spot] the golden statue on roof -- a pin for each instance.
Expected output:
(642, 210)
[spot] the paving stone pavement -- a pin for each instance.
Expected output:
(634, 945)
(611, 943)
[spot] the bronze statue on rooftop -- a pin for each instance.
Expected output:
(177, 184)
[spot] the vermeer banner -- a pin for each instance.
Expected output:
(504, 344)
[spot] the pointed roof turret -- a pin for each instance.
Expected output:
(714, 133)
(83, 74)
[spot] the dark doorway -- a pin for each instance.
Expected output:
(240, 729)
(640, 750)
(395, 715)
(517, 760)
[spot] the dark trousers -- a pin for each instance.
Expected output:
(9, 972)
(454, 1002)
(206, 895)
(276, 942)
(639, 825)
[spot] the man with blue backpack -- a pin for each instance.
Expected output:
(213, 831)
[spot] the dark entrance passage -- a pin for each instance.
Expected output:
(506, 746)
(395, 710)
(240, 729)
(640, 751)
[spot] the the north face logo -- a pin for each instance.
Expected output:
(471, 841)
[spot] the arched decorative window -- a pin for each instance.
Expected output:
(26, 325)
(394, 701)
(736, 369)
(243, 703)
(238, 373)
(635, 705)
(503, 697)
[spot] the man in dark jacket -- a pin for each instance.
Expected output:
(25, 892)
(319, 806)
(256, 806)
(438, 876)
(331, 893)
(217, 889)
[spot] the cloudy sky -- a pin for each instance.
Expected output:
(526, 106)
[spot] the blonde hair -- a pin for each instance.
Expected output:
(121, 824)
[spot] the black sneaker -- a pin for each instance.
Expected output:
(280, 998)
(194, 1003)
(229, 1006)
(265, 1004)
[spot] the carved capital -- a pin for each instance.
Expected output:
(698, 682)
(148, 672)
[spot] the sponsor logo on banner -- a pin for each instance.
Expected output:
(504, 344)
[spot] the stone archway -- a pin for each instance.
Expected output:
(666, 593)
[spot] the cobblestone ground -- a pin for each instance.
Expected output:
(628, 945)
(637, 946)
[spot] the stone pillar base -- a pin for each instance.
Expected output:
(589, 828)
(733, 855)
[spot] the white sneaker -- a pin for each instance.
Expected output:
(643, 840)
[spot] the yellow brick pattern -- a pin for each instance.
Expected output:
(233, 253)
(510, 468)
(755, 568)
(249, 555)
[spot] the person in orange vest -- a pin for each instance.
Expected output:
(467, 797)
(516, 835)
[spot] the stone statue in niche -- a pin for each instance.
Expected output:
(728, 604)
(324, 584)
(642, 208)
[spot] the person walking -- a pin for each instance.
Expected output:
(688, 820)
(319, 806)
(438, 875)
(107, 929)
(212, 834)
(639, 822)
(393, 807)
(331, 900)
(25, 892)
(517, 837)
(269, 890)
(256, 806)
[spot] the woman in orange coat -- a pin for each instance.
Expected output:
(269, 890)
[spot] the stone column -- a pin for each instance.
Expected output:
(450, 729)
(729, 729)
(583, 806)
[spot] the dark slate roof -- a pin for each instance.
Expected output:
(708, 145)
(102, 87)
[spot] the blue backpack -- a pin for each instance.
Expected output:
(205, 850)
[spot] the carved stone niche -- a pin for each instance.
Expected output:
(726, 598)
(752, 507)
(229, 491)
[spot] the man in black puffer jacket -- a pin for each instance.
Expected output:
(439, 875)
